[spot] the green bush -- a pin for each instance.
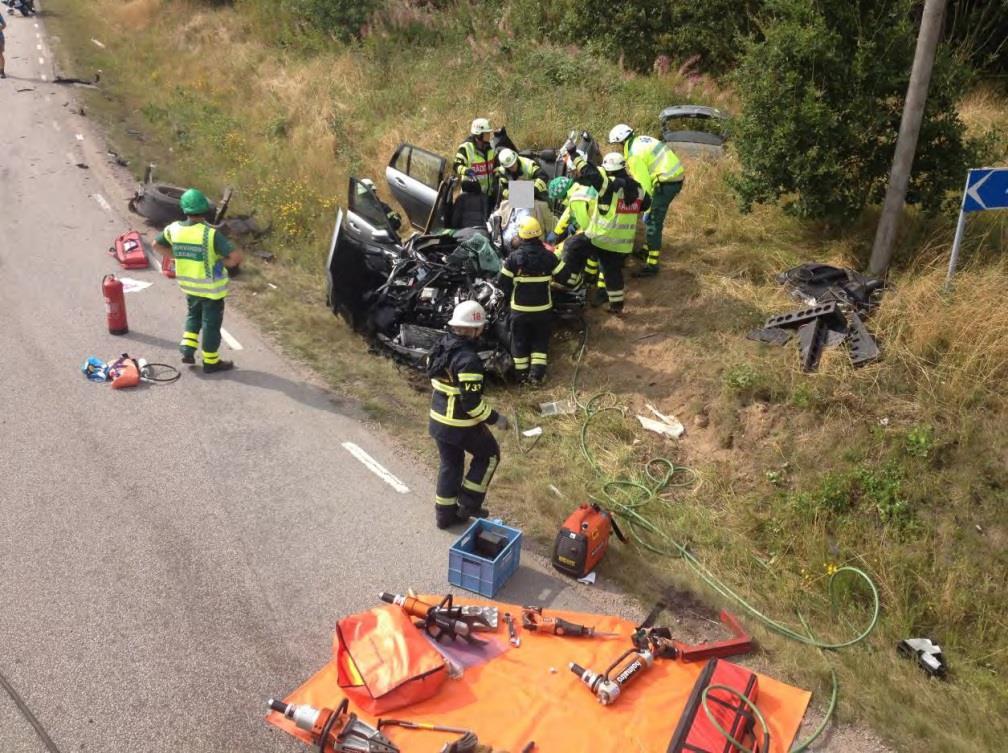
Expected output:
(637, 33)
(822, 96)
(339, 19)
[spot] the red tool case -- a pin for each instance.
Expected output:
(129, 250)
(695, 733)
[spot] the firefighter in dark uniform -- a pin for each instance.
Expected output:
(525, 280)
(459, 416)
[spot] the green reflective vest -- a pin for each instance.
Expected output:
(482, 165)
(581, 201)
(650, 161)
(199, 270)
(614, 228)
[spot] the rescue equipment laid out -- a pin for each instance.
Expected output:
(502, 692)
(583, 540)
(129, 251)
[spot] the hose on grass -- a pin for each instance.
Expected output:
(629, 499)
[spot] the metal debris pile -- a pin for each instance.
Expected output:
(836, 303)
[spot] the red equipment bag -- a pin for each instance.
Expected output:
(129, 250)
(696, 734)
(383, 662)
(583, 540)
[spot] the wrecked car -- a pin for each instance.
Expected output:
(399, 294)
(694, 130)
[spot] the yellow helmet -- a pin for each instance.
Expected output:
(530, 228)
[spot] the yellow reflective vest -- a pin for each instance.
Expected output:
(482, 164)
(650, 161)
(199, 270)
(614, 228)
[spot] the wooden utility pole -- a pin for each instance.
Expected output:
(906, 143)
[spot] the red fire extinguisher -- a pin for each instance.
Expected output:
(115, 305)
(168, 266)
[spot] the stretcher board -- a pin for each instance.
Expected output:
(528, 693)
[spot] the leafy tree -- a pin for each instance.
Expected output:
(340, 19)
(822, 94)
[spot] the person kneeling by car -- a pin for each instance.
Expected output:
(525, 280)
(459, 416)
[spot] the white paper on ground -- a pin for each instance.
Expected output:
(558, 408)
(589, 579)
(658, 427)
(131, 286)
(671, 421)
(533, 432)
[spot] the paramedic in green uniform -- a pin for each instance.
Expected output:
(202, 255)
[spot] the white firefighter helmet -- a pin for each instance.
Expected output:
(469, 315)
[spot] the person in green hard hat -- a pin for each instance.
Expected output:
(202, 257)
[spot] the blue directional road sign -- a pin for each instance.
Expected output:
(986, 188)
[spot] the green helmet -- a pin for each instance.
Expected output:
(558, 188)
(193, 203)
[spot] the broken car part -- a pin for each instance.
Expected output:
(927, 653)
(335, 731)
(708, 141)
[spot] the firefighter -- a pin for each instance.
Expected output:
(613, 227)
(514, 167)
(459, 416)
(475, 156)
(525, 281)
(202, 258)
(660, 173)
(578, 254)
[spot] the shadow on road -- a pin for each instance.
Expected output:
(152, 340)
(301, 392)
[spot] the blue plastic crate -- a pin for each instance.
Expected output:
(472, 572)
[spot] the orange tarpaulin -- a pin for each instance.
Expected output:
(528, 693)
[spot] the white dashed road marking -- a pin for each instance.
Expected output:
(101, 202)
(38, 47)
(229, 339)
(375, 467)
(80, 136)
(44, 77)
(41, 61)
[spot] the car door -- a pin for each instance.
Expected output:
(414, 176)
(363, 248)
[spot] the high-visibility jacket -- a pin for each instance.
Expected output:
(199, 270)
(526, 275)
(614, 228)
(580, 207)
(527, 170)
(470, 157)
(650, 161)
(456, 373)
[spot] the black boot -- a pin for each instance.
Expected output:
(471, 508)
(447, 515)
(210, 368)
(189, 358)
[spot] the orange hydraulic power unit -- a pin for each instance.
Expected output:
(583, 540)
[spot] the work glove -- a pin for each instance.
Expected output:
(471, 174)
(502, 422)
(552, 238)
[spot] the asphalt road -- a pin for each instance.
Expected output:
(170, 556)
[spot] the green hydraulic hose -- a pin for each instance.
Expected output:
(635, 495)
